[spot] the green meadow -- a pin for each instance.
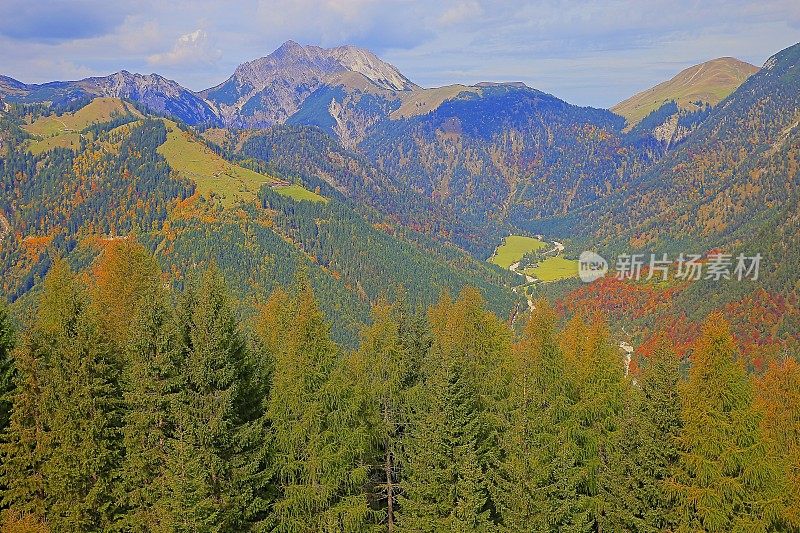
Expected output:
(513, 248)
(553, 269)
(213, 174)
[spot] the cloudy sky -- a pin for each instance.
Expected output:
(589, 53)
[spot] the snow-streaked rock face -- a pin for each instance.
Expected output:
(270, 89)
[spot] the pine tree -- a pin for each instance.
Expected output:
(724, 479)
(272, 324)
(599, 390)
(321, 440)
(84, 431)
(214, 458)
(6, 367)
(646, 451)
(151, 383)
(23, 449)
(452, 451)
(538, 493)
(124, 275)
(62, 456)
(384, 369)
(7, 378)
(444, 487)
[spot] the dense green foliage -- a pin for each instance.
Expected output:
(185, 415)
(53, 198)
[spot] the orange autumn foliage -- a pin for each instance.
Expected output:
(124, 274)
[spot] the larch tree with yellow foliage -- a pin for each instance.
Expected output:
(725, 480)
(778, 401)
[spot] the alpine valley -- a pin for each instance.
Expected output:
(438, 176)
(330, 171)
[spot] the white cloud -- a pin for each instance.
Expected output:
(461, 12)
(141, 36)
(190, 49)
(371, 23)
(62, 69)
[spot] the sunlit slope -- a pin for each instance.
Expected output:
(708, 82)
(64, 131)
(97, 111)
(213, 174)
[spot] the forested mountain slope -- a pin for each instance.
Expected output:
(733, 181)
(732, 188)
(478, 163)
(139, 177)
(509, 153)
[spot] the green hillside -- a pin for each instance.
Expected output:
(97, 111)
(152, 180)
(708, 82)
(213, 174)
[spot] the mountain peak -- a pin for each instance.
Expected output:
(269, 89)
(709, 82)
(289, 45)
(365, 62)
(288, 49)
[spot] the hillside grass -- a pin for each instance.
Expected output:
(423, 101)
(554, 269)
(213, 174)
(65, 140)
(298, 192)
(709, 82)
(98, 110)
(513, 248)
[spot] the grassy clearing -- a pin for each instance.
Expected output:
(213, 174)
(424, 101)
(64, 131)
(98, 110)
(513, 248)
(67, 140)
(298, 193)
(209, 171)
(554, 269)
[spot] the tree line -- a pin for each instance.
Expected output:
(131, 406)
